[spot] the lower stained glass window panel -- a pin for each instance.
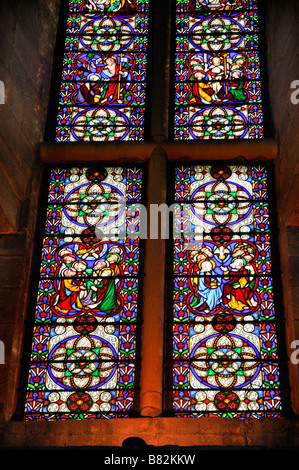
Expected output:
(84, 359)
(224, 338)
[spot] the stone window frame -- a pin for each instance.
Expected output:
(152, 426)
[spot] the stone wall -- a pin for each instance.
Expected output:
(282, 27)
(28, 31)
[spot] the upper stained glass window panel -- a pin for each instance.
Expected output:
(224, 315)
(103, 84)
(217, 70)
(83, 358)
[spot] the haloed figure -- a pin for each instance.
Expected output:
(208, 289)
(106, 86)
(238, 291)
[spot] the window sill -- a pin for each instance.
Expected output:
(183, 432)
(265, 149)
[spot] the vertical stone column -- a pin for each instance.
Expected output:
(152, 335)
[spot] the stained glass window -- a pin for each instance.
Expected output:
(83, 361)
(224, 321)
(217, 70)
(103, 85)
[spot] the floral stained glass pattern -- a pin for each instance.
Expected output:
(217, 70)
(83, 355)
(103, 84)
(225, 359)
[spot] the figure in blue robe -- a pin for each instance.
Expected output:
(208, 287)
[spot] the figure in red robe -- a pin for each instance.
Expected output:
(106, 86)
(238, 290)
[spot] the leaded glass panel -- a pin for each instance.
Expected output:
(83, 360)
(103, 83)
(217, 70)
(224, 321)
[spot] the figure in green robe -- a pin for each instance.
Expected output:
(236, 90)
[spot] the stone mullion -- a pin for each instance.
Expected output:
(152, 334)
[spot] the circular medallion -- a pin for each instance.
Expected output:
(107, 37)
(218, 123)
(225, 361)
(216, 36)
(100, 124)
(82, 362)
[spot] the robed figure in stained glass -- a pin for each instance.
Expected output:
(233, 286)
(105, 82)
(205, 284)
(214, 4)
(216, 80)
(238, 291)
(125, 6)
(206, 79)
(202, 92)
(236, 88)
(208, 288)
(88, 285)
(216, 73)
